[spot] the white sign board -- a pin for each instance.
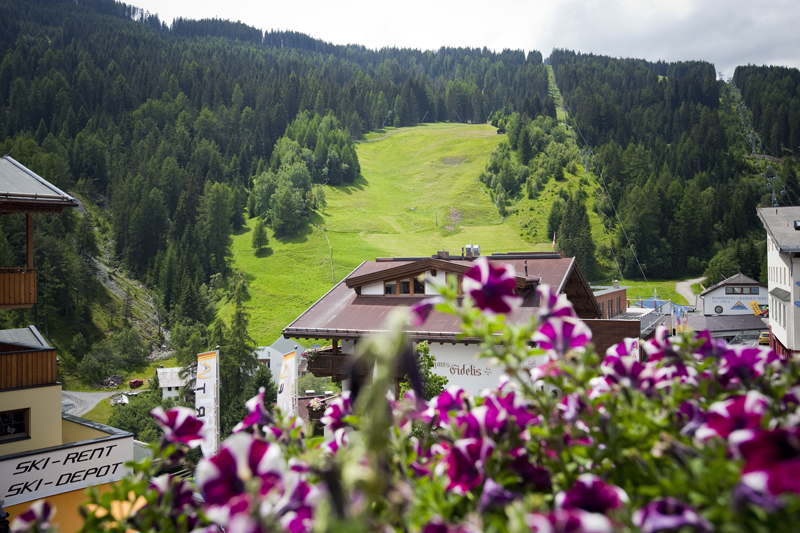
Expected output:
(287, 387)
(206, 400)
(35, 476)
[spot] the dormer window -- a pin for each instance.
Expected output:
(404, 287)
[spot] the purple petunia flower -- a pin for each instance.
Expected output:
(175, 490)
(772, 459)
(180, 425)
(552, 304)
(257, 415)
(338, 408)
(711, 347)
(421, 310)
(669, 514)
(692, 416)
(37, 517)
(339, 440)
(488, 419)
(744, 495)
(735, 413)
(660, 347)
(438, 525)
(569, 521)
(572, 405)
(668, 374)
(464, 461)
(591, 494)
(451, 400)
(222, 479)
(300, 520)
(494, 495)
(562, 335)
(742, 364)
(629, 347)
(627, 372)
(491, 288)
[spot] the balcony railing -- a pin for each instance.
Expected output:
(17, 288)
(27, 368)
(338, 367)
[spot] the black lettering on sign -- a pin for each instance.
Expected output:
(71, 457)
(201, 411)
(63, 479)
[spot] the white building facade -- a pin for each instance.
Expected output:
(737, 295)
(783, 262)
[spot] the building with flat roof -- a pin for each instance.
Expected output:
(783, 262)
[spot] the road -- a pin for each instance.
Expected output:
(80, 403)
(684, 288)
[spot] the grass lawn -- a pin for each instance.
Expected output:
(73, 383)
(415, 182)
(101, 412)
(641, 289)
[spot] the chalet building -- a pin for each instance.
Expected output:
(171, 382)
(737, 295)
(44, 453)
(360, 304)
(24, 191)
(272, 355)
(783, 262)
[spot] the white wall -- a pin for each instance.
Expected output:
(165, 393)
(718, 297)
(459, 363)
(373, 289)
(784, 273)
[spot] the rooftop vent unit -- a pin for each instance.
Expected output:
(443, 254)
(473, 250)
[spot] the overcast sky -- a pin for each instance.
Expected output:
(725, 32)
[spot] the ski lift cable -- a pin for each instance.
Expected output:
(605, 188)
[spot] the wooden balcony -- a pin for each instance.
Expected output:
(26, 368)
(17, 288)
(337, 367)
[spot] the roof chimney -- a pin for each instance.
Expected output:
(443, 254)
(616, 284)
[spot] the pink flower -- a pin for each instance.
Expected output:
(421, 310)
(491, 288)
(660, 347)
(627, 372)
(552, 304)
(451, 400)
(669, 514)
(742, 364)
(338, 408)
(180, 425)
(735, 413)
(562, 335)
(464, 461)
(692, 416)
(222, 479)
(494, 495)
(711, 347)
(772, 459)
(628, 347)
(591, 494)
(257, 415)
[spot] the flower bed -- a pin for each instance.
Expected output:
(701, 436)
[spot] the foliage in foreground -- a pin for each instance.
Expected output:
(700, 436)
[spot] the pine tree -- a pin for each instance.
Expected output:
(260, 238)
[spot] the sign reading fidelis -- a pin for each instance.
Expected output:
(26, 477)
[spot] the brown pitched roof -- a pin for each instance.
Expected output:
(24, 191)
(343, 314)
(736, 279)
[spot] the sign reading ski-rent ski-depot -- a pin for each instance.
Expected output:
(29, 477)
(206, 400)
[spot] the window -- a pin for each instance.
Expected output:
(405, 286)
(728, 290)
(419, 286)
(602, 311)
(14, 424)
(737, 290)
(753, 290)
(390, 287)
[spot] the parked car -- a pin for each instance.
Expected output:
(136, 383)
(763, 338)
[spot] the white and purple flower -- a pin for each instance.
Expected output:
(337, 410)
(669, 514)
(180, 425)
(552, 304)
(38, 517)
(492, 288)
(257, 414)
(464, 461)
(569, 521)
(561, 335)
(772, 459)
(742, 364)
(592, 494)
(734, 414)
(421, 310)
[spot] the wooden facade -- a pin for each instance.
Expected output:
(27, 368)
(17, 288)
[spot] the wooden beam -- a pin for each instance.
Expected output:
(29, 245)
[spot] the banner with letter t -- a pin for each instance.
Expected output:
(206, 400)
